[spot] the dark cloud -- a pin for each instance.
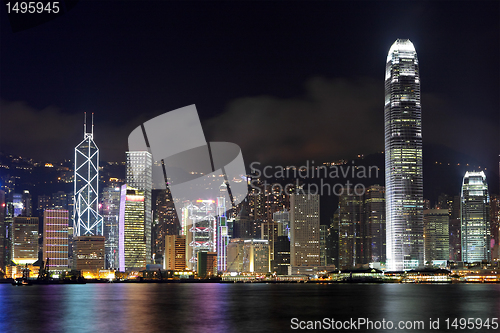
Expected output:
(341, 118)
(336, 118)
(51, 134)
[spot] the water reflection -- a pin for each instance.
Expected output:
(231, 307)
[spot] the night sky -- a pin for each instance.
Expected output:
(287, 81)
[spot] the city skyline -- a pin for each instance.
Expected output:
(404, 189)
(249, 166)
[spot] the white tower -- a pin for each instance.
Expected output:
(87, 221)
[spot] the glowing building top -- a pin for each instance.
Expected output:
(403, 158)
(87, 221)
(475, 219)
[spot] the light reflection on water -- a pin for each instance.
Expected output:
(231, 307)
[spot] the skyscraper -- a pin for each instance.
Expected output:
(24, 240)
(3, 238)
(304, 230)
(475, 220)
(175, 252)
(403, 158)
(55, 239)
(374, 202)
(140, 177)
(455, 229)
(110, 213)
(87, 221)
(436, 235)
(133, 245)
(353, 249)
(495, 226)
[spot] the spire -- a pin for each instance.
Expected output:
(92, 124)
(84, 123)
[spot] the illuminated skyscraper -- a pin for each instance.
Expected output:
(24, 240)
(475, 220)
(222, 235)
(304, 230)
(55, 239)
(437, 235)
(133, 245)
(353, 249)
(140, 178)
(375, 220)
(87, 221)
(403, 158)
(110, 213)
(3, 238)
(175, 252)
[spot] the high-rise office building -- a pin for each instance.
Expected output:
(17, 204)
(353, 248)
(165, 222)
(175, 252)
(3, 238)
(200, 229)
(132, 242)
(88, 254)
(222, 234)
(455, 229)
(283, 220)
(140, 177)
(281, 262)
(495, 226)
(110, 211)
(304, 230)
(403, 158)
(332, 238)
(27, 204)
(55, 239)
(87, 221)
(436, 235)
(475, 219)
(24, 240)
(43, 203)
(323, 245)
(374, 208)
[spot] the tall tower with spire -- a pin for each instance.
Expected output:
(87, 221)
(403, 159)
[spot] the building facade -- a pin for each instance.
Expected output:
(436, 235)
(175, 253)
(132, 238)
(374, 207)
(403, 158)
(353, 248)
(55, 239)
(110, 212)
(88, 254)
(304, 230)
(24, 240)
(475, 219)
(140, 177)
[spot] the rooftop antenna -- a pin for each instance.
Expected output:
(92, 124)
(85, 123)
